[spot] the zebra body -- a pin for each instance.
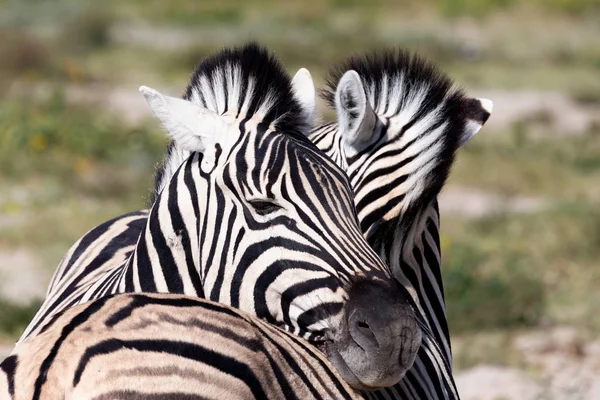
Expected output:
(166, 346)
(400, 122)
(418, 260)
(258, 218)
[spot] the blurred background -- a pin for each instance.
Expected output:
(520, 215)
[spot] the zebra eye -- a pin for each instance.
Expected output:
(264, 207)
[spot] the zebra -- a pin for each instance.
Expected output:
(400, 122)
(259, 219)
(426, 278)
(167, 346)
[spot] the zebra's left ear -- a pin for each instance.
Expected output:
(478, 111)
(304, 89)
(356, 117)
(190, 126)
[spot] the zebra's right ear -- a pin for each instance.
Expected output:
(304, 89)
(356, 117)
(192, 127)
(477, 112)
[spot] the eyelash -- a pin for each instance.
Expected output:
(264, 207)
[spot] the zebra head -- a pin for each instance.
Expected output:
(400, 121)
(258, 218)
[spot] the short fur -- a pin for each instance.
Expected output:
(166, 346)
(422, 122)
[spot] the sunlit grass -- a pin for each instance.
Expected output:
(515, 163)
(66, 141)
(65, 169)
(519, 269)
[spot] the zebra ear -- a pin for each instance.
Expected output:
(478, 111)
(356, 118)
(305, 92)
(190, 126)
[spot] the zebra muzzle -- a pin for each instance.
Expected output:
(378, 338)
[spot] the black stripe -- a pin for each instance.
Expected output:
(194, 274)
(214, 242)
(224, 266)
(79, 319)
(105, 255)
(180, 229)
(316, 314)
(411, 376)
(139, 300)
(166, 261)
(9, 366)
(143, 265)
(86, 241)
(186, 350)
(310, 350)
(301, 289)
(130, 394)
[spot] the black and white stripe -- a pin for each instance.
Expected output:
(419, 259)
(150, 346)
(257, 218)
(400, 122)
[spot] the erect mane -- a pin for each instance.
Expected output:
(392, 78)
(399, 84)
(247, 80)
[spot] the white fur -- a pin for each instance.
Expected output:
(487, 105)
(192, 127)
(304, 88)
(357, 132)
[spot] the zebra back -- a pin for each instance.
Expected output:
(167, 346)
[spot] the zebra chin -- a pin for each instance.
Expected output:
(378, 337)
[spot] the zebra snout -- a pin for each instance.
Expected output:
(379, 337)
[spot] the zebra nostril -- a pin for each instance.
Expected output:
(363, 334)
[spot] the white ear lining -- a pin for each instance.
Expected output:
(304, 89)
(471, 129)
(191, 126)
(356, 118)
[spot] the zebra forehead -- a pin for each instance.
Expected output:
(319, 161)
(393, 79)
(248, 82)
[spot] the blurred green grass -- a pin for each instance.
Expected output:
(513, 162)
(515, 271)
(65, 167)
(15, 317)
(469, 38)
(70, 139)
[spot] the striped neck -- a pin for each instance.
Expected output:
(166, 258)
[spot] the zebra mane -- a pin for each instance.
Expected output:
(396, 83)
(392, 79)
(251, 80)
(245, 80)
